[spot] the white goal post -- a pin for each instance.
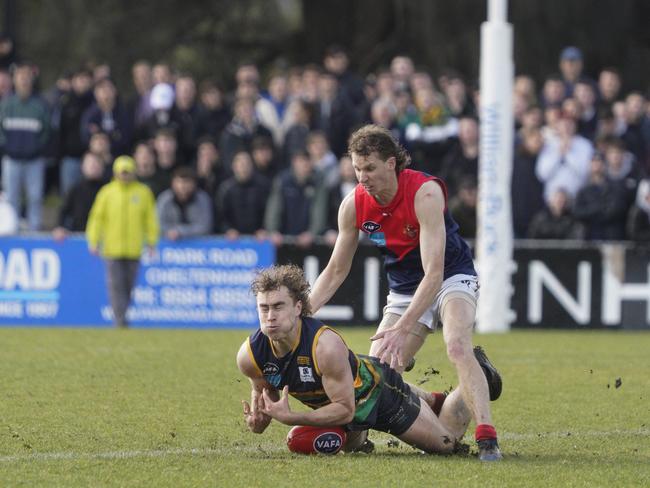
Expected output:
(494, 224)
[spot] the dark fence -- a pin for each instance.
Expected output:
(555, 285)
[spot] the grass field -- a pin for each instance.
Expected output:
(162, 408)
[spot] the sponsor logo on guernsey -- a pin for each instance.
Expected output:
(379, 238)
(306, 374)
(410, 231)
(271, 373)
(369, 226)
(303, 360)
(328, 443)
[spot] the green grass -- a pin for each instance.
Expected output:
(162, 408)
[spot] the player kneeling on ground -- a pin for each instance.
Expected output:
(294, 354)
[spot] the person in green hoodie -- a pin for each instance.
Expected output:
(24, 133)
(122, 222)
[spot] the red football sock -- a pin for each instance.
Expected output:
(485, 431)
(439, 399)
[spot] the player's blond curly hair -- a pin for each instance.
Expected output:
(289, 275)
(376, 139)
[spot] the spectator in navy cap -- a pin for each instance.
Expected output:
(571, 66)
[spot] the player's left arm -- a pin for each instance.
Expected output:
(332, 358)
(429, 209)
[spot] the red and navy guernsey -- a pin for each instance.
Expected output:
(395, 229)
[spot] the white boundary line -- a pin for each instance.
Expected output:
(157, 453)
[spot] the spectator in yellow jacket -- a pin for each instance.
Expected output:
(122, 222)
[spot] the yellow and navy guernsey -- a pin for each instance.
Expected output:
(299, 369)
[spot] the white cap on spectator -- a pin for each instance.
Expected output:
(162, 97)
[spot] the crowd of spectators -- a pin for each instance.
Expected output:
(267, 157)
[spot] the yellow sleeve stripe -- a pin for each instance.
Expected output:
(315, 343)
(313, 349)
(358, 381)
(252, 356)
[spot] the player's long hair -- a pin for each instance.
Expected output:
(288, 275)
(376, 139)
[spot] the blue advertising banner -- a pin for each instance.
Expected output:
(200, 283)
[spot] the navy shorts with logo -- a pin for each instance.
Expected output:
(397, 407)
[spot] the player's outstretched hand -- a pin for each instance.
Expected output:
(391, 350)
(279, 410)
(255, 418)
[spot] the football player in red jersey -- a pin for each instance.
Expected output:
(429, 267)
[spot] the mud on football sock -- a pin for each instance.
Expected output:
(485, 431)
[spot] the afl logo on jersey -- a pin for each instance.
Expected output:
(369, 226)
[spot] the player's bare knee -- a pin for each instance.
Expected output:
(459, 350)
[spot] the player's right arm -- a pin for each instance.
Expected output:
(256, 420)
(340, 262)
